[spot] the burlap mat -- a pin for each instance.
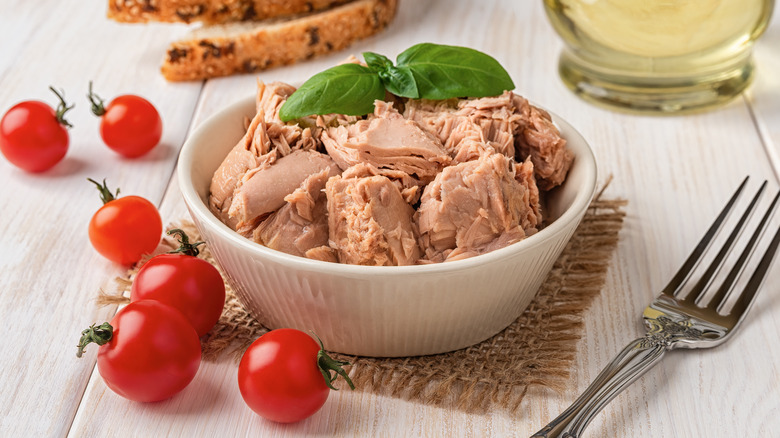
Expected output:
(536, 350)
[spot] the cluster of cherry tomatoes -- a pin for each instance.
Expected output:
(150, 350)
(34, 136)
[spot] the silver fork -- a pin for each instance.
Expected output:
(676, 321)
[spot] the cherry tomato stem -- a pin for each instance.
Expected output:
(105, 193)
(331, 368)
(185, 247)
(98, 335)
(62, 107)
(98, 108)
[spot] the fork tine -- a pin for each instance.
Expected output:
(718, 299)
(696, 294)
(687, 268)
(749, 293)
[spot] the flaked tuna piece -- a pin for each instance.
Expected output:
(410, 188)
(267, 139)
(370, 223)
(435, 116)
(249, 153)
(459, 124)
(497, 119)
(538, 139)
(478, 205)
(386, 110)
(387, 141)
(302, 223)
(270, 98)
(323, 253)
(465, 141)
(303, 134)
(263, 190)
(262, 144)
(499, 107)
(326, 121)
(506, 238)
(284, 138)
(535, 135)
(468, 143)
(507, 123)
(438, 117)
(525, 175)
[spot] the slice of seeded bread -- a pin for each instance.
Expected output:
(210, 11)
(248, 47)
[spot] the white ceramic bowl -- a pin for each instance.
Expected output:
(381, 310)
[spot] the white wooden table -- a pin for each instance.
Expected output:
(675, 171)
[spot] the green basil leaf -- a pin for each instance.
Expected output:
(400, 81)
(397, 80)
(442, 72)
(349, 89)
(377, 62)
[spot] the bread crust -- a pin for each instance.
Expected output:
(271, 45)
(210, 11)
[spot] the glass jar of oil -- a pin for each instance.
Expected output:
(662, 56)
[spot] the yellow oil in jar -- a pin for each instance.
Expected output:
(647, 55)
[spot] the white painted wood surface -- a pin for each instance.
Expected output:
(675, 171)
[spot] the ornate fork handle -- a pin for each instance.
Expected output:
(636, 358)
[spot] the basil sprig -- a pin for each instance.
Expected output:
(427, 71)
(397, 80)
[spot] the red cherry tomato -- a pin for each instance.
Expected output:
(130, 124)
(191, 285)
(124, 229)
(282, 375)
(149, 351)
(33, 136)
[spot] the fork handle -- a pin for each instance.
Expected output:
(636, 358)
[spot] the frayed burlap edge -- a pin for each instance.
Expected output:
(536, 350)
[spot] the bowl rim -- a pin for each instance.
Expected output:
(583, 154)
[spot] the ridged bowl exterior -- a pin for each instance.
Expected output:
(381, 311)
